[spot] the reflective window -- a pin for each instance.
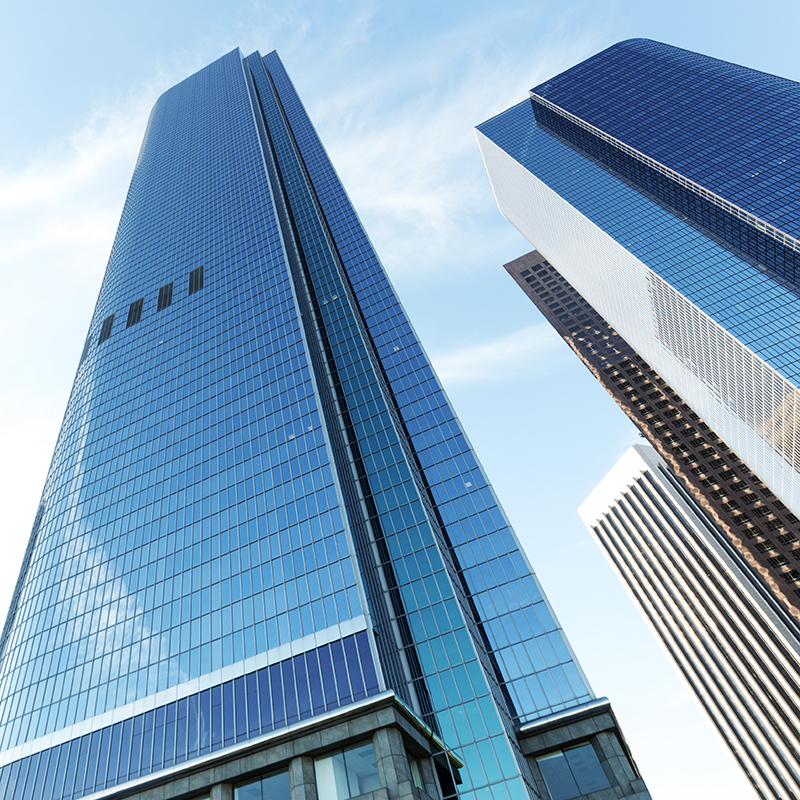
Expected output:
(201, 509)
(572, 773)
(347, 773)
(416, 772)
(272, 787)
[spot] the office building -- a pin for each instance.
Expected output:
(662, 185)
(660, 189)
(735, 645)
(266, 561)
(756, 522)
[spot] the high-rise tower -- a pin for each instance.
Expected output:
(264, 544)
(758, 524)
(729, 637)
(662, 185)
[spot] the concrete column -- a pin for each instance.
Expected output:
(429, 776)
(615, 760)
(393, 763)
(302, 778)
(222, 791)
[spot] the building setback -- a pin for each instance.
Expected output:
(266, 561)
(738, 649)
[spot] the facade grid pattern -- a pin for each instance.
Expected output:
(732, 362)
(662, 185)
(756, 522)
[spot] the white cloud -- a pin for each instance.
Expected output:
(398, 125)
(499, 358)
(58, 214)
(401, 137)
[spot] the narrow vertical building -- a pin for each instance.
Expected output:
(757, 523)
(266, 562)
(735, 645)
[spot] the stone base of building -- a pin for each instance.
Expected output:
(581, 750)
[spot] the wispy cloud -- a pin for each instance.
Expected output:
(397, 122)
(58, 214)
(401, 136)
(499, 358)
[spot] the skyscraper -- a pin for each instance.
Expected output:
(266, 560)
(735, 645)
(662, 186)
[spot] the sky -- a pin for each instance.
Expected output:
(395, 90)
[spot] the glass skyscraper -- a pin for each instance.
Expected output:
(261, 507)
(662, 184)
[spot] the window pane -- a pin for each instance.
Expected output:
(249, 791)
(273, 787)
(347, 773)
(416, 772)
(558, 777)
(362, 769)
(586, 768)
(331, 777)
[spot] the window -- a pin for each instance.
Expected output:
(86, 347)
(778, 561)
(571, 773)
(164, 297)
(416, 772)
(195, 280)
(347, 773)
(272, 787)
(135, 312)
(105, 331)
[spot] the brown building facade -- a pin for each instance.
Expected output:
(764, 531)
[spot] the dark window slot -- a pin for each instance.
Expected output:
(196, 280)
(135, 312)
(86, 346)
(165, 296)
(105, 331)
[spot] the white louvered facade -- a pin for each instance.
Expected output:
(723, 629)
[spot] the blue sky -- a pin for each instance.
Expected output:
(395, 90)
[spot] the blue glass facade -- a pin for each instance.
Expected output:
(733, 130)
(704, 269)
(261, 506)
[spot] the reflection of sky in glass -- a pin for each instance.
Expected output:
(529, 648)
(191, 518)
(747, 302)
(731, 129)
